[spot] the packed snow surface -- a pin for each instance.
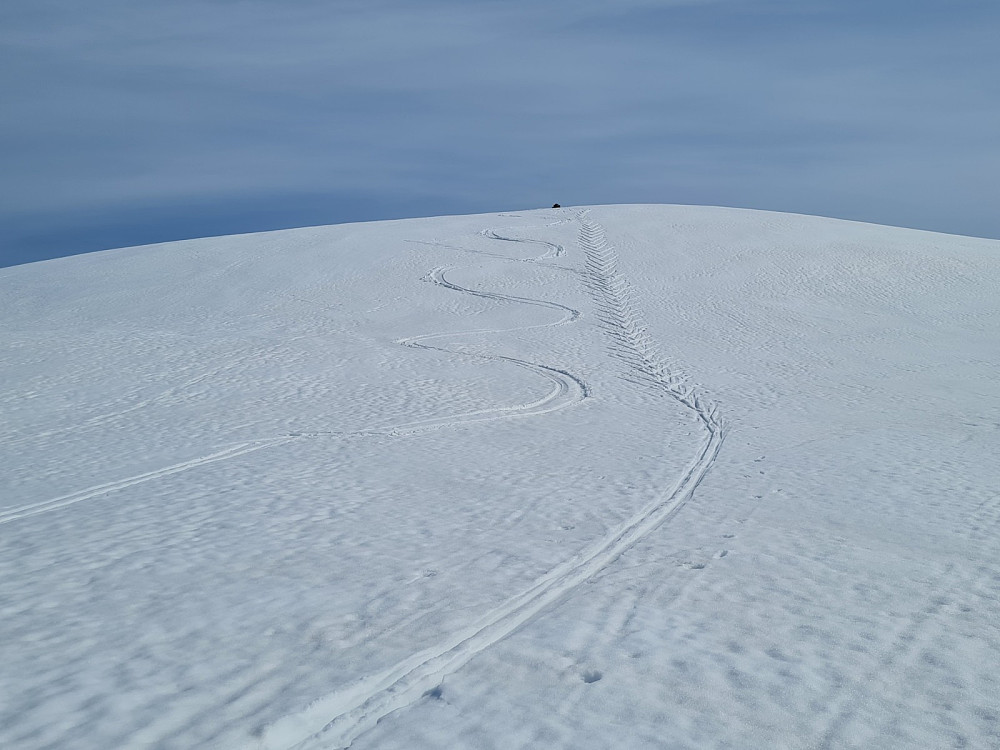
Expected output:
(626, 476)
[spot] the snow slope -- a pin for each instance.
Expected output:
(625, 476)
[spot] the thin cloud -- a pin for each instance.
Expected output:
(834, 108)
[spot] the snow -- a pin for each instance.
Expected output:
(620, 476)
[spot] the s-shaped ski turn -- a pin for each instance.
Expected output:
(341, 717)
(567, 390)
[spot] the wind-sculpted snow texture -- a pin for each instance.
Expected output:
(461, 482)
(347, 714)
(567, 390)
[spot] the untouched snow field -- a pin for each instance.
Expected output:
(627, 476)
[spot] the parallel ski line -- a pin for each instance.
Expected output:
(554, 250)
(103, 489)
(359, 707)
(568, 389)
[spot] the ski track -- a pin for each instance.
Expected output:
(553, 250)
(340, 718)
(631, 341)
(103, 489)
(567, 390)
(164, 396)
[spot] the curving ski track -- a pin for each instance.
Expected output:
(567, 389)
(338, 719)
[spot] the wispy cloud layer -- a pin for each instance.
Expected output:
(196, 116)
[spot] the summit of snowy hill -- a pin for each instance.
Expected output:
(619, 476)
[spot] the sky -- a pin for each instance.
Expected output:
(126, 122)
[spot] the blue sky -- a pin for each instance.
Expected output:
(128, 122)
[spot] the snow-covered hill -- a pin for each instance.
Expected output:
(626, 476)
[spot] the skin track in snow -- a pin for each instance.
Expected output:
(461, 482)
(339, 719)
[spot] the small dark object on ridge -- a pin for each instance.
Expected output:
(556, 205)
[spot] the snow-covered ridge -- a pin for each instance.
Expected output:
(339, 719)
(462, 482)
